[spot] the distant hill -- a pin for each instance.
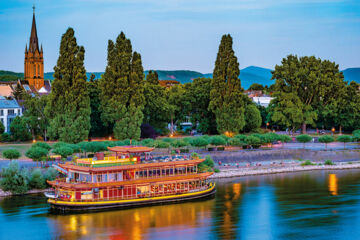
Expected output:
(248, 75)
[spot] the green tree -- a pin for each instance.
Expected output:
(11, 154)
(97, 128)
(303, 87)
(68, 107)
(179, 105)
(14, 179)
(19, 92)
(122, 87)
(199, 142)
(34, 114)
(36, 180)
(226, 95)
(256, 87)
(42, 145)
(2, 128)
(197, 98)
(252, 118)
(253, 141)
(19, 130)
(326, 139)
(64, 151)
(156, 109)
(304, 138)
(344, 139)
(217, 141)
(37, 153)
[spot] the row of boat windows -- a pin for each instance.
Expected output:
(146, 173)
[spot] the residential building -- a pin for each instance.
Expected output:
(9, 109)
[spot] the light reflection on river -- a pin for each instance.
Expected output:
(308, 205)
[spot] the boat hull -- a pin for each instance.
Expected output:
(65, 206)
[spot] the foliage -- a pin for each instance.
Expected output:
(356, 135)
(147, 131)
(253, 141)
(226, 95)
(285, 138)
(11, 154)
(122, 87)
(252, 117)
(51, 174)
(2, 128)
(344, 139)
(180, 143)
(156, 108)
(149, 142)
(241, 137)
(14, 179)
(209, 161)
(236, 142)
(36, 153)
(19, 130)
(6, 137)
(36, 180)
(176, 97)
(93, 147)
(217, 141)
(256, 87)
(307, 163)
(326, 139)
(68, 107)
(328, 162)
(199, 142)
(58, 145)
(63, 151)
(303, 87)
(42, 145)
(161, 144)
(216, 170)
(303, 138)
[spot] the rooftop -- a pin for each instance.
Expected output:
(4, 104)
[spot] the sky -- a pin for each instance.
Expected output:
(185, 34)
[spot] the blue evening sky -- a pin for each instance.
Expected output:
(185, 34)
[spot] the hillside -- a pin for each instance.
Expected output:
(7, 76)
(352, 74)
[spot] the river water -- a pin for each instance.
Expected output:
(307, 205)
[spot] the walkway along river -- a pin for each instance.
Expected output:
(303, 205)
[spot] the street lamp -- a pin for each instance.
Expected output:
(267, 125)
(332, 131)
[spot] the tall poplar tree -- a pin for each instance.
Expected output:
(122, 89)
(226, 95)
(69, 104)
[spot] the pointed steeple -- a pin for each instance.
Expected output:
(25, 48)
(34, 44)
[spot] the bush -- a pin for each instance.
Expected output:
(179, 143)
(14, 179)
(252, 117)
(11, 154)
(36, 153)
(42, 145)
(51, 174)
(161, 144)
(328, 162)
(168, 140)
(149, 142)
(285, 138)
(344, 139)
(236, 142)
(326, 139)
(63, 151)
(217, 141)
(307, 163)
(199, 142)
(356, 135)
(195, 155)
(216, 170)
(253, 141)
(303, 138)
(6, 137)
(60, 144)
(19, 130)
(209, 161)
(241, 137)
(2, 128)
(36, 180)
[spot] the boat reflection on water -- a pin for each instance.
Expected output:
(134, 223)
(333, 184)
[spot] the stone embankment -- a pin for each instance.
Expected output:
(248, 171)
(6, 194)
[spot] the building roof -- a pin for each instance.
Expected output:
(6, 90)
(5, 104)
(34, 42)
(130, 149)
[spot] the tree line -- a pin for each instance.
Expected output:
(126, 105)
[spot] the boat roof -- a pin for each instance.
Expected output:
(130, 149)
(63, 184)
(71, 166)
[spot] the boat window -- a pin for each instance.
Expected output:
(98, 178)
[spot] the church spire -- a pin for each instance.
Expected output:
(34, 44)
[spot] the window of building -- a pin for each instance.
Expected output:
(11, 112)
(1, 112)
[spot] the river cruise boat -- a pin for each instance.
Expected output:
(130, 177)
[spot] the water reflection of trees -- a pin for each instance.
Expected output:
(134, 223)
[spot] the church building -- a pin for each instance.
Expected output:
(34, 61)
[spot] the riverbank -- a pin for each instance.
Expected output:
(33, 191)
(249, 171)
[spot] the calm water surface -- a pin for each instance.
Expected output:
(309, 205)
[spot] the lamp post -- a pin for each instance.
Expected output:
(267, 125)
(332, 131)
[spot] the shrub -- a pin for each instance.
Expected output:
(236, 142)
(6, 137)
(216, 170)
(209, 161)
(59, 145)
(149, 142)
(199, 142)
(19, 130)
(303, 138)
(161, 144)
(51, 174)
(285, 138)
(179, 143)
(11, 154)
(241, 137)
(195, 155)
(2, 128)
(252, 117)
(217, 140)
(326, 139)
(356, 135)
(36, 153)
(42, 145)
(168, 140)
(36, 180)
(344, 139)
(328, 162)
(253, 141)
(307, 163)
(14, 179)
(63, 151)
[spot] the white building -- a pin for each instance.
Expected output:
(9, 109)
(262, 101)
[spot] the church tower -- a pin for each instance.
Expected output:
(34, 61)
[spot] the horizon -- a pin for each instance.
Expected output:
(179, 35)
